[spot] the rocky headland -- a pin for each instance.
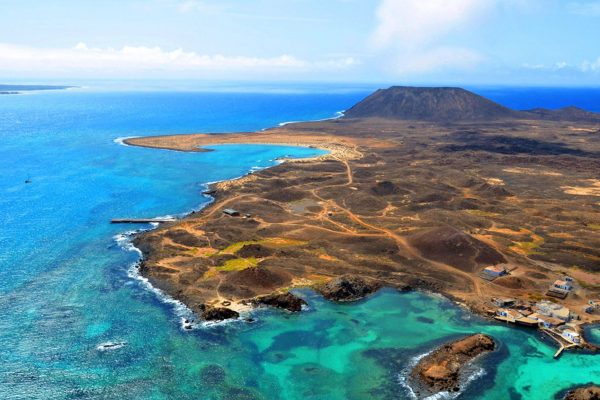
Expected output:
(349, 288)
(591, 392)
(440, 370)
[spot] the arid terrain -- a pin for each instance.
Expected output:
(425, 202)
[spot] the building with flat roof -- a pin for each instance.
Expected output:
(562, 285)
(571, 336)
(495, 270)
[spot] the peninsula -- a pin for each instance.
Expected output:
(16, 89)
(429, 188)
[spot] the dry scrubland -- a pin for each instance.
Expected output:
(423, 203)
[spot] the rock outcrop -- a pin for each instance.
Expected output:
(210, 313)
(584, 393)
(441, 369)
(285, 301)
(348, 288)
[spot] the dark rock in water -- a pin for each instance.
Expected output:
(210, 313)
(286, 301)
(212, 375)
(425, 320)
(440, 370)
(348, 288)
(237, 393)
(591, 392)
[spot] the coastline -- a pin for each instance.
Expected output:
(344, 149)
(125, 239)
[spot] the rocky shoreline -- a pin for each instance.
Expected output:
(441, 370)
(591, 392)
(404, 204)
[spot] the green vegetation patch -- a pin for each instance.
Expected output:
(528, 248)
(481, 213)
(239, 264)
(274, 242)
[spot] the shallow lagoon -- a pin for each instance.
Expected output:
(66, 289)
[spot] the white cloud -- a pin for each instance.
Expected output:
(447, 58)
(591, 66)
(585, 66)
(417, 22)
(132, 59)
(411, 30)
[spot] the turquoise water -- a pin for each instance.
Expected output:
(66, 285)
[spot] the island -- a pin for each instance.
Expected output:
(591, 392)
(437, 189)
(442, 369)
(16, 89)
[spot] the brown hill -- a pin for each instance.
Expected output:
(454, 247)
(450, 104)
(565, 114)
(444, 104)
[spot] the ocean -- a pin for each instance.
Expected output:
(67, 286)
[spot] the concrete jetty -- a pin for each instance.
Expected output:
(141, 220)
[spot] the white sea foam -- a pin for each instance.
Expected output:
(405, 373)
(107, 346)
(124, 240)
(186, 316)
(338, 114)
(121, 140)
(287, 123)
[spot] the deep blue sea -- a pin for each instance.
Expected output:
(67, 285)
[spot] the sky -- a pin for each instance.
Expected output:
(498, 42)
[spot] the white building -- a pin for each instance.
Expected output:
(571, 336)
(562, 285)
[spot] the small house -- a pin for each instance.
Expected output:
(571, 336)
(495, 271)
(562, 313)
(562, 285)
(503, 302)
(546, 321)
(231, 212)
(509, 314)
(555, 310)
